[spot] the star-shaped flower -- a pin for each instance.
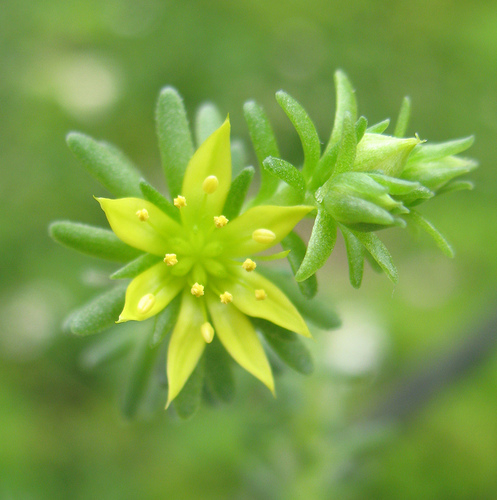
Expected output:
(205, 259)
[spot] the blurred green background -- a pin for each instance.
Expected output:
(362, 426)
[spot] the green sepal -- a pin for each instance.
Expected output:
(107, 348)
(453, 186)
(305, 129)
(264, 142)
(360, 127)
(287, 345)
(97, 315)
(286, 172)
(355, 256)
(91, 240)
(238, 156)
(106, 164)
(135, 267)
(175, 140)
(165, 321)
(432, 152)
(207, 121)
(379, 128)
(319, 313)
(142, 364)
(187, 402)
(430, 229)
(218, 372)
(321, 243)
(348, 146)
(403, 118)
(296, 246)
(153, 196)
(237, 193)
(379, 252)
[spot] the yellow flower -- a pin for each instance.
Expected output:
(204, 259)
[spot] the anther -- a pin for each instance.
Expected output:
(197, 290)
(146, 303)
(263, 236)
(207, 332)
(260, 295)
(180, 201)
(170, 259)
(210, 184)
(249, 265)
(142, 214)
(226, 298)
(220, 221)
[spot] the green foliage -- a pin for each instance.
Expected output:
(208, 120)
(151, 194)
(188, 400)
(237, 193)
(135, 267)
(218, 372)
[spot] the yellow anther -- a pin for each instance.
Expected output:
(180, 201)
(210, 184)
(142, 214)
(260, 295)
(249, 265)
(170, 259)
(226, 298)
(207, 332)
(197, 290)
(220, 221)
(263, 236)
(146, 303)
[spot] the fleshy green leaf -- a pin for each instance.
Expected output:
(265, 145)
(188, 400)
(99, 314)
(360, 127)
(286, 172)
(106, 164)
(379, 128)
(294, 243)
(165, 321)
(305, 128)
(348, 146)
(287, 345)
(91, 240)
(238, 192)
(355, 257)
(207, 121)
(153, 196)
(456, 186)
(379, 252)
(321, 243)
(218, 372)
(136, 267)
(432, 152)
(142, 364)
(175, 141)
(107, 348)
(238, 157)
(429, 228)
(403, 119)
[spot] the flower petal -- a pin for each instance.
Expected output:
(156, 280)
(151, 235)
(276, 307)
(237, 235)
(213, 157)
(240, 339)
(186, 345)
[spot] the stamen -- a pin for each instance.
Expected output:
(146, 303)
(260, 295)
(180, 201)
(210, 184)
(263, 236)
(249, 265)
(142, 214)
(207, 332)
(226, 298)
(220, 221)
(170, 259)
(197, 290)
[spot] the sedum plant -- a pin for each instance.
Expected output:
(197, 264)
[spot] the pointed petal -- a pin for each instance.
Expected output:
(276, 307)
(186, 345)
(151, 235)
(213, 157)
(240, 339)
(156, 280)
(237, 235)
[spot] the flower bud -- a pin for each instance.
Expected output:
(383, 153)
